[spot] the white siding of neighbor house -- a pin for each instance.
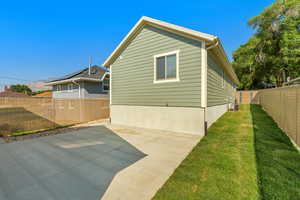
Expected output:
(88, 90)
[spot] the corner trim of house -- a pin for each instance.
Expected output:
(110, 84)
(203, 75)
(83, 90)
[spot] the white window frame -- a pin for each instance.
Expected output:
(59, 88)
(103, 83)
(72, 87)
(177, 67)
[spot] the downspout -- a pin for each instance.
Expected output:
(79, 95)
(214, 45)
(79, 89)
(204, 78)
(110, 92)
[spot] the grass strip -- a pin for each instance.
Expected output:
(38, 131)
(244, 156)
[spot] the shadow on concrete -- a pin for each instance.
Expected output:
(18, 119)
(75, 165)
(278, 161)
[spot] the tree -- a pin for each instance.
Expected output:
(21, 89)
(273, 53)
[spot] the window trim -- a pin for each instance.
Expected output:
(59, 88)
(72, 87)
(107, 84)
(177, 67)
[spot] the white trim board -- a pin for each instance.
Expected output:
(72, 80)
(110, 85)
(203, 75)
(199, 36)
(177, 67)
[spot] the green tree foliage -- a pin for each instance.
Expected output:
(21, 89)
(273, 53)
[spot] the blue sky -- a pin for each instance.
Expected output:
(42, 39)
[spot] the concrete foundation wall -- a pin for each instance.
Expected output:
(215, 112)
(177, 119)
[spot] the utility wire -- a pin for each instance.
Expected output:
(13, 78)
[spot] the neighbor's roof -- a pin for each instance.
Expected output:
(295, 81)
(210, 40)
(97, 74)
(8, 93)
(44, 94)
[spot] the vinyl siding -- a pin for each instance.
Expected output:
(216, 94)
(133, 71)
(88, 90)
(93, 90)
(65, 94)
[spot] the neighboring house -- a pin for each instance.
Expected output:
(87, 83)
(295, 81)
(8, 93)
(44, 94)
(169, 77)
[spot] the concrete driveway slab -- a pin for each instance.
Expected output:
(100, 162)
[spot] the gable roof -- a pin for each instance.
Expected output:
(212, 42)
(97, 74)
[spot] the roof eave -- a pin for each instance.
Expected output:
(72, 80)
(209, 39)
(163, 25)
(224, 59)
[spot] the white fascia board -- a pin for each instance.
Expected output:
(72, 80)
(106, 73)
(110, 85)
(163, 25)
(196, 35)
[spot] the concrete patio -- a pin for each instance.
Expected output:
(99, 162)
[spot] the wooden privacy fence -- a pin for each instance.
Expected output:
(246, 96)
(283, 104)
(26, 114)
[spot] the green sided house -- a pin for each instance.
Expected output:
(169, 77)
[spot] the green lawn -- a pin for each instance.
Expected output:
(244, 156)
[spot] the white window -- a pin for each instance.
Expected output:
(70, 87)
(58, 88)
(166, 67)
(105, 83)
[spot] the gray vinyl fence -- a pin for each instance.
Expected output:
(283, 105)
(28, 114)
